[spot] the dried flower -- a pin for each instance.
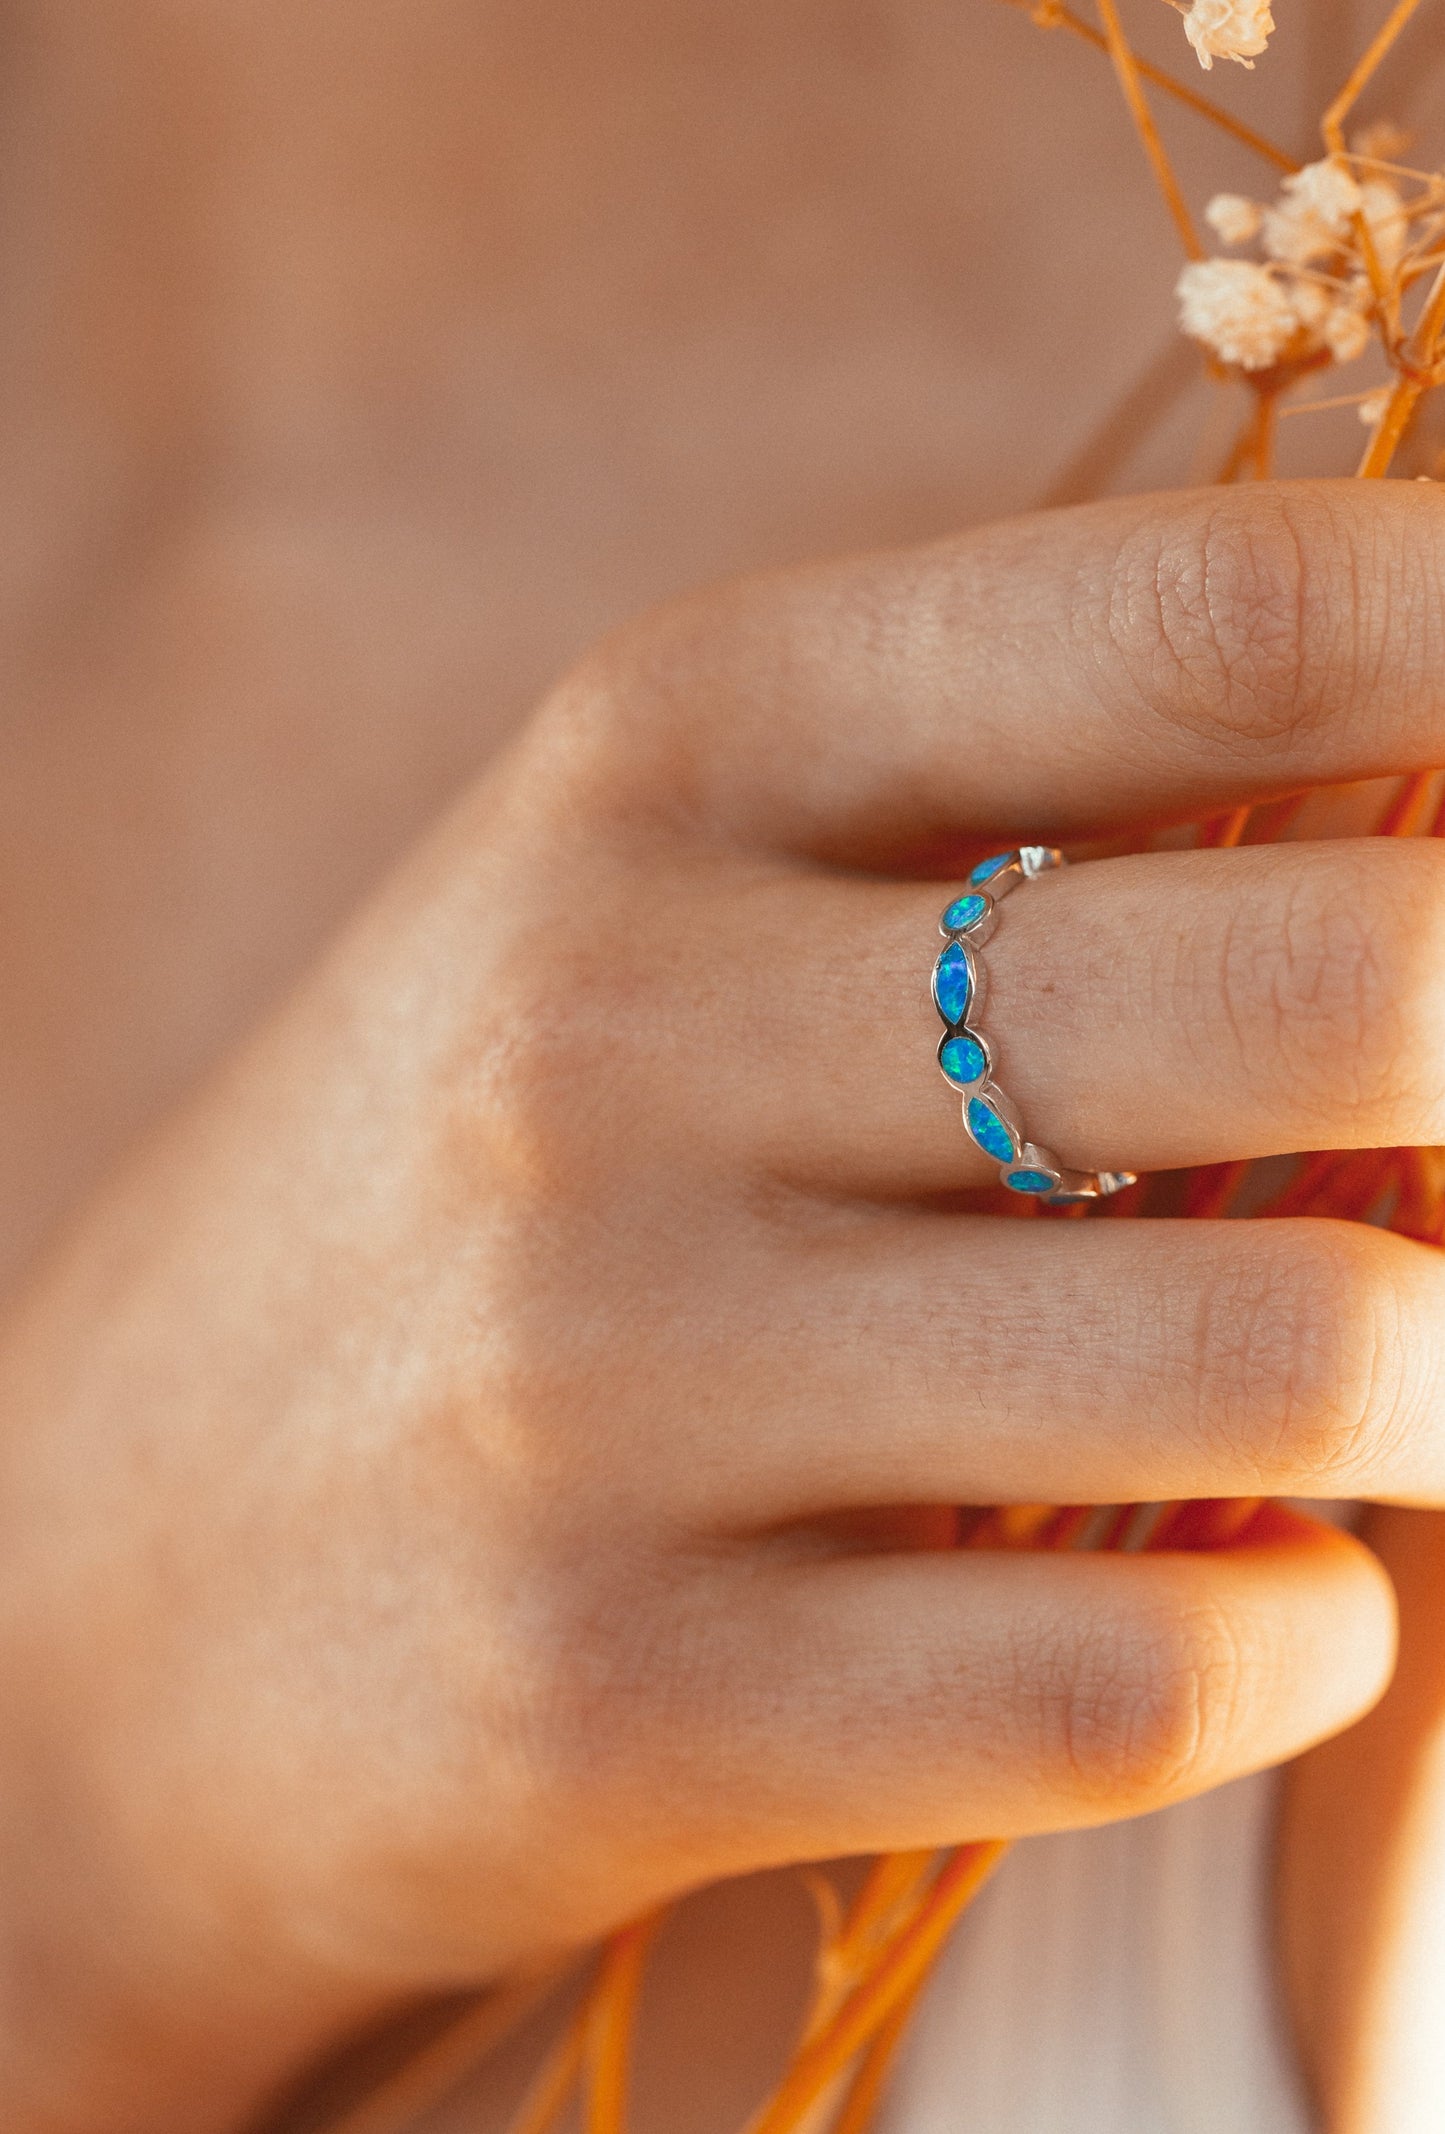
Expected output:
(1229, 29)
(1382, 141)
(1345, 333)
(1386, 218)
(1314, 217)
(1325, 189)
(1311, 301)
(1233, 218)
(1372, 408)
(1237, 308)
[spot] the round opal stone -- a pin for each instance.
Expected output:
(962, 1059)
(1030, 1182)
(987, 869)
(989, 1131)
(963, 911)
(952, 985)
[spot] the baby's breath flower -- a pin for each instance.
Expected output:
(1310, 301)
(1314, 217)
(1229, 29)
(1325, 189)
(1384, 213)
(1237, 308)
(1372, 408)
(1345, 333)
(1233, 218)
(1382, 141)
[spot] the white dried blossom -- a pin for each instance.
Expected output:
(1324, 189)
(1233, 219)
(1345, 333)
(1310, 300)
(1372, 408)
(1382, 141)
(1386, 220)
(1237, 308)
(1294, 238)
(1314, 214)
(1228, 29)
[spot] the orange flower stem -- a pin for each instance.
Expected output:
(612, 2021)
(1409, 388)
(1332, 125)
(1385, 443)
(890, 1883)
(1265, 430)
(1406, 813)
(1303, 1191)
(1225, 830)
(1127, 69)
(1052, 14)
(866, 2090)
(442, 2065)
(1254, 446)
(873, 2000)
(1211, 1191)
(552, 2091)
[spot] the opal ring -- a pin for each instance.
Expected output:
(963, 1051)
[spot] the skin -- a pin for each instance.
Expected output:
(378, 1431)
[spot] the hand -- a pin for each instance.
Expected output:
(474, 1476)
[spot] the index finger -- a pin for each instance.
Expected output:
(1050, 676)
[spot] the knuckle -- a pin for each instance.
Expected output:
(1149, 1712)
(1229, 617)
(545, 1090)
(621, 738)
(1303, 1359)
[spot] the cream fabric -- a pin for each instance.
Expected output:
(1113, 1981)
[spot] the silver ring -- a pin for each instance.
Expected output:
(963, 1051)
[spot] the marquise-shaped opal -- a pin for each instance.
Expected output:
(952, 985)
(962, 1059)
(987, 869)
(964, 910)
(1030, 1182)
(989, 1131)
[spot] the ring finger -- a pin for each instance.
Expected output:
(1160, 1010)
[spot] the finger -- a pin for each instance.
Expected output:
(1151, 655)
(901, 1701)
(941, 1360)
(1143, 1013)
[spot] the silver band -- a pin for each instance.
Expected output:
(963, 1051)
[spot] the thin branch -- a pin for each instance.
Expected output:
(1127, 69)
(1053, 15)
(1322, 407)
(611, 2026)
(441, 2066)
(866, 2090)
(552, 2090)
(1405, 816)
(1223, 831)
(874, 1999)
(1409, 388)
(1332, 125)
(1254, 446)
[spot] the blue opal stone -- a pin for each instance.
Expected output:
(952, 985)
(964, 910)
(1029, 1182)
(989, 1131)
(962, 1059)
(987, 869)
